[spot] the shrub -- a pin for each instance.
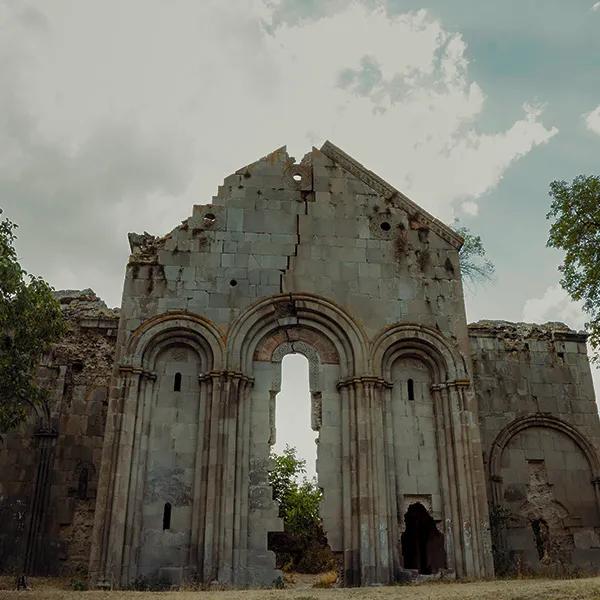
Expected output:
(79, 585)
(302, 545)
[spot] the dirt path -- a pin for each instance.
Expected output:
(527, 589)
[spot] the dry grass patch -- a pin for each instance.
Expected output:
(523, 589)
(326, 580)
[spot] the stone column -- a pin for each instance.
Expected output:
(463, 488)
(482, 544)
(368, 557)
(446, 463)
(113, 507)
(46, 441)
(393, 484)
(141, 384)
(220, 527)
(596, 484)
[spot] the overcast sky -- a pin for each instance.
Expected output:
(118, 116)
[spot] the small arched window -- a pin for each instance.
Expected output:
(411, 389)
(167, 516)
(177, 382)
(82, 484)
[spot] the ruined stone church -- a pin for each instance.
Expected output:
(151, 457)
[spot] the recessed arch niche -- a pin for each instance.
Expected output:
(546, 474)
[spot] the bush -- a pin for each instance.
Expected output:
(302, 546)
(78, 585)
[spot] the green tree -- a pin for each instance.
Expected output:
(30, 322)
(575, 211)
(475, 267)
(302, 546)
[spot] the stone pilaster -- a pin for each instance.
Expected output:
(369, 555)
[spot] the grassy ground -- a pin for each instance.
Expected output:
(517, 589)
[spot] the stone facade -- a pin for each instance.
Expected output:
(49, 468)
(322, 258)
(540, 433)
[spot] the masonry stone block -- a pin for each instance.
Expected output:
(408, 401)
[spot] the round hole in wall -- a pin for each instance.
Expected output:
(209, 218)
(297, 177)
(233, 283)
(385, 226)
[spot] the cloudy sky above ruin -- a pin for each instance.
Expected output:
(118, 116)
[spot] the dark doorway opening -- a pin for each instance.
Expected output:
(422, 543)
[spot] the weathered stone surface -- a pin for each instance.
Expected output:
(540, 433)
(49, 468)
(324, 258)
(420, 419)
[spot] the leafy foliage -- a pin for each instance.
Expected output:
(302, 546)
(30, 321)
(575, 210)
(474, 266)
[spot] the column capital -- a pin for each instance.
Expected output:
(364, 380)
(143, 373)
(455, 383)
(224, 374)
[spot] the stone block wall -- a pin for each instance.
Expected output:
(326, 225)
(323, 255)
(49, 467)
(541, 435)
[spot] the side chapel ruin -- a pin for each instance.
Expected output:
(152, 456)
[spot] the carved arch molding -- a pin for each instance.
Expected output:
(231, 509)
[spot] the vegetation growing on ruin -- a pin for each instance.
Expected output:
(30, 322)
(475, 267)
(302, 546)
(575, 212)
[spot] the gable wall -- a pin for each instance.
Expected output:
(273, 235)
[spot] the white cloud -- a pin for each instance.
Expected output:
(469, 207)
(554, 305)
(114, 124)
(596, 6)
(592, 120)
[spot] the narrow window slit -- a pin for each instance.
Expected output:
(82, 484)
(411, 389)
(167, 516)
(177, 383)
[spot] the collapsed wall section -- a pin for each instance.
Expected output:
(541, 434)
(50, 465)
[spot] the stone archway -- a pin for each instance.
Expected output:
(463, 506)
(228, 499)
